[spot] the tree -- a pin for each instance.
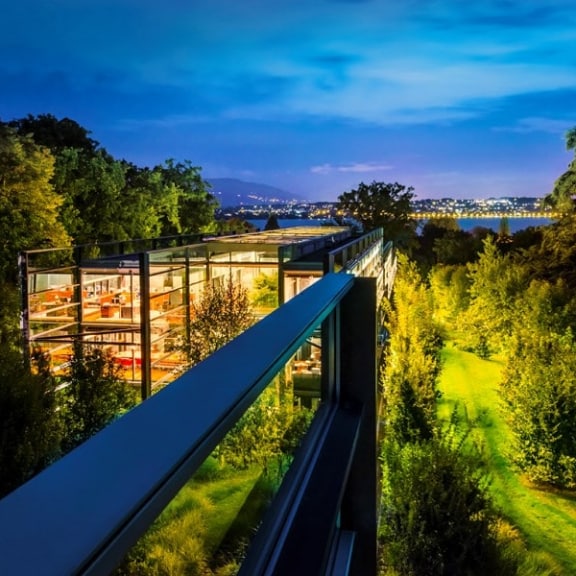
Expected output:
(437, 517)
(96, 394)
(265, 291)
(106, 199)
(30, 422)
(222, 313)
(539, 391)
(29, 207)
(412, 361)
(234, 225)
(56, 135)
(562, 196)
(272, 222)
(384, 205)
(496, 280)
(195, 203)
(450, 286)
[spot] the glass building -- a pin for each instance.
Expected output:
(135, 299)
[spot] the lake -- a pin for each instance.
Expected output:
(467, 224)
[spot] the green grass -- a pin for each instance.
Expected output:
(546, 519)
(227, 496)
(188, 533)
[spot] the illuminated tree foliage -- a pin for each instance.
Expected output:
(96, 394)
(222, 313)
(539, 384)
(29, 207)
(265, 291)
(522, 307)
(105, 199)
(437, 517)
(412, 360)
(496, 281)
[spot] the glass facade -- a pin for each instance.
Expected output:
(138, 306)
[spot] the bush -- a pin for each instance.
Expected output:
(437, 518)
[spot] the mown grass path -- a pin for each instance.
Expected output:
(546, 519)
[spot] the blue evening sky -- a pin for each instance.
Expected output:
(456, 98)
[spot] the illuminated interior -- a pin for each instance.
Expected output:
(137, 306)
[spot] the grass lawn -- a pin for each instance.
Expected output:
(545, 518)
(190, 530)
(227, 496)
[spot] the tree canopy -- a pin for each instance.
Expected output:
(381, 204)
(100, 198)
(562, 196)
(29, 207)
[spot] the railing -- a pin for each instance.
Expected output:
(82, 514)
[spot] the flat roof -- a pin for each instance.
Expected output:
(281, 236)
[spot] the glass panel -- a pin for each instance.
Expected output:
(207, 527)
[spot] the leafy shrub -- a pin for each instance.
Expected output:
(437, 518)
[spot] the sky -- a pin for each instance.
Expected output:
(454, 98)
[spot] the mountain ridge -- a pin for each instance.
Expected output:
(236, 192)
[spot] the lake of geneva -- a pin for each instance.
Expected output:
(467, 224)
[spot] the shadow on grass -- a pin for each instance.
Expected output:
(233, 547)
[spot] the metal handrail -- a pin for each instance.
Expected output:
(83, 513)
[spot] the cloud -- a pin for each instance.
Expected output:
(537, 124)
(357, 168)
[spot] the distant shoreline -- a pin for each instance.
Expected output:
(460, 216)
(515, 223)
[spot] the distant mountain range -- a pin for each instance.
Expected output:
(233, 192)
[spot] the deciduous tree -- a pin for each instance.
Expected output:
(562, 196)
(29, 207)
(96, 392)
(30, 421)
(222, 313)
(385, 205)
(412, 360)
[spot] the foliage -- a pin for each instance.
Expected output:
(450, 289)
(222, 313)
(496, 281)
(105, 199)
(265, 291)
(29, 208)
(195, 204)
(272, 222)
(295, 431)
(412, 360)
(384, 205)
(539, 392)
(554, 257)
(562, 196)
(96, 394)
(54, 134)
(30, 422)
(234, 225)
(269, 432)
(437, 518)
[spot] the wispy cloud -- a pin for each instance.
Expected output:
(357, 168)
(538, 124)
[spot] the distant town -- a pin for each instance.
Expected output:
(512, 207)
